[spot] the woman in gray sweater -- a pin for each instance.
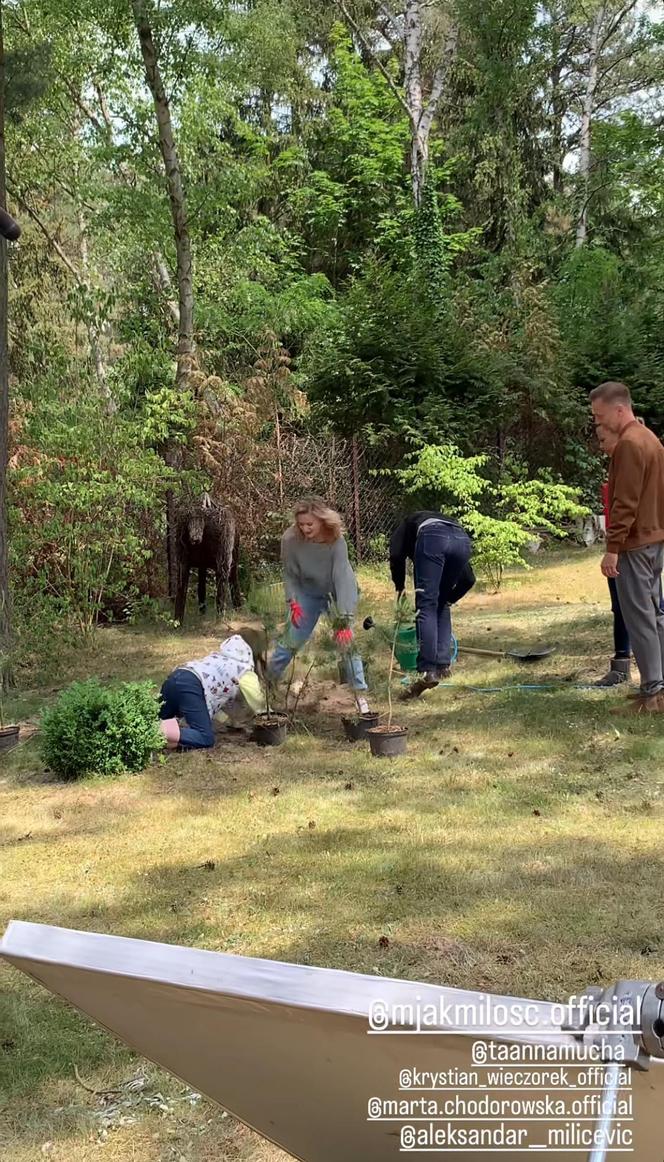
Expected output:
(317, 572)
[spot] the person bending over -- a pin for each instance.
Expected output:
(197, 691)
(317, 572)
(440, 551)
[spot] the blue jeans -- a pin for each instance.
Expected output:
(182, 697)
(442, 552)
(313, 608)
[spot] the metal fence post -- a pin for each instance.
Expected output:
(355, 465)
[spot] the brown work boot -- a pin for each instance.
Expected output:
(424, 682)
(648, 704)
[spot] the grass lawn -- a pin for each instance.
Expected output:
(517, 848)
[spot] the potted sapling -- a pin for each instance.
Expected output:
(297, 687)
(9, 732)
(357, 725)
(390, 740)
(267, 602)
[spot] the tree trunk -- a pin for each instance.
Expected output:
(420, 113)
(141, 9)
(357, 522)
(95, 330)
(585, 138)
(5, 608)
(419, 146)
(560, 46)
(557, 114)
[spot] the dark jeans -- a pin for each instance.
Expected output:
(442, 552)
(621, 646)
(182, 697)
(621, 643)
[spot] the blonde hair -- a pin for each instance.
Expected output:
(256, 638)
(328, 517)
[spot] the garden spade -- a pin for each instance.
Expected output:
(520, 653)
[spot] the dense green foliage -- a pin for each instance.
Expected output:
(95, 729)
(502, 518)
(323, 299)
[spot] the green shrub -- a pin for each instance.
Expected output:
(502, 518)
(95, 729)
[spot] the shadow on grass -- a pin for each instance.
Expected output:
(468, 912)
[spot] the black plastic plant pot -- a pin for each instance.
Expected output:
(8, 737)
(388, 742)
(357, 728)
(270, 729)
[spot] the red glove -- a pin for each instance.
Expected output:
(343, 637)
(296, 612)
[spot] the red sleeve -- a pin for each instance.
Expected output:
(605, 503)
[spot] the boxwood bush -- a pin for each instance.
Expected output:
(103, 730)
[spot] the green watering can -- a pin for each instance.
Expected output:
(405, 650)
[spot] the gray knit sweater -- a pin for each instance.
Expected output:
(319, 570)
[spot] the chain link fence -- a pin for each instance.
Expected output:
(352, 476)
(355, 479)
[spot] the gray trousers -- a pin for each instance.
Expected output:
(638, 582)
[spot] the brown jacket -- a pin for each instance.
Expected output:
(636, 491)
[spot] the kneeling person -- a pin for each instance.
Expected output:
(197, 691)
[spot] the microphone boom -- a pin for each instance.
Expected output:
(9, 227)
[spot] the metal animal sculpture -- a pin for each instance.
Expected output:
(207, 539)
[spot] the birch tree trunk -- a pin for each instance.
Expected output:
(585, 136)
(422, 110)
(419, 108)
(419, 145)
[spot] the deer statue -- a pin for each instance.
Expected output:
(207, 538)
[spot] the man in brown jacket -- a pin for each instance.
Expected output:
(635, 536)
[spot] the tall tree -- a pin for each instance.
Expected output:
(609, 53)
(5, 611)
(411, 29)
(144, 20)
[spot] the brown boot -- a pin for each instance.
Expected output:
(424, 682)
(648, 704)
